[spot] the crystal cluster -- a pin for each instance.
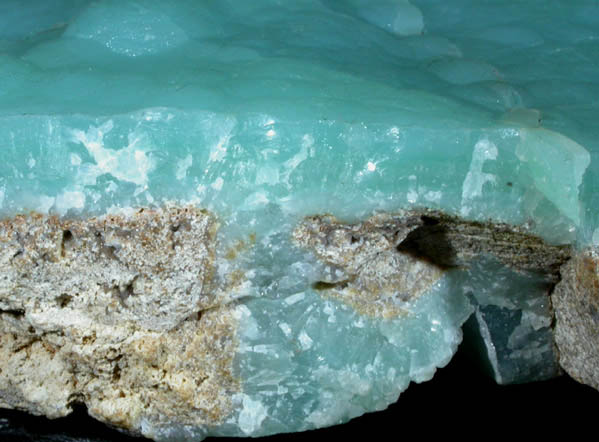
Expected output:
(246, 218)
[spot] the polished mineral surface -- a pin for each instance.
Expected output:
(246, 218)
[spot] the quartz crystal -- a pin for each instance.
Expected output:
(244, 218)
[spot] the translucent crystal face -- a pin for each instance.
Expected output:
(385, 95)
(264, 114)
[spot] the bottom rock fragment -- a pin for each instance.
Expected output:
(118, 313)
(576, 303)
(162, 325)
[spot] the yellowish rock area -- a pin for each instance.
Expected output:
(119, 312)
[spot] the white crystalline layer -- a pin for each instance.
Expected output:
(484, 150)
(182, 167)
(251, 415)
(491, 353)
(130, 163)
(305, 341)
(70, 199)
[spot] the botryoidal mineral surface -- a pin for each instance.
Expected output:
(245, 218)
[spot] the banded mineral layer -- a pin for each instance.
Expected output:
(246, 218)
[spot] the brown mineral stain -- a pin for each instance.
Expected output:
(392, 258)
(163, 351)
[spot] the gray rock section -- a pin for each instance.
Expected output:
(364, 267)
(576, 304)
(124, 313)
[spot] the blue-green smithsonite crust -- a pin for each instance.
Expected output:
(245, 218)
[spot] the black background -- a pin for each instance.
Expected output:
(459, 401)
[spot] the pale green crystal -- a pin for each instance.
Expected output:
(233, 99)
(265, 113)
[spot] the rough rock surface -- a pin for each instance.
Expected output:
(134, 315)
(420, 243)
(120, 313)
(576, 304)
(366, 271)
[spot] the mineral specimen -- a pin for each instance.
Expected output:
(245, 218)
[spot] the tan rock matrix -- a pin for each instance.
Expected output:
(119, 312)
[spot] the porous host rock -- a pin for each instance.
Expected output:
(245, 218)
(576, 303)
(100, 311)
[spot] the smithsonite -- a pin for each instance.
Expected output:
(245, 218)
